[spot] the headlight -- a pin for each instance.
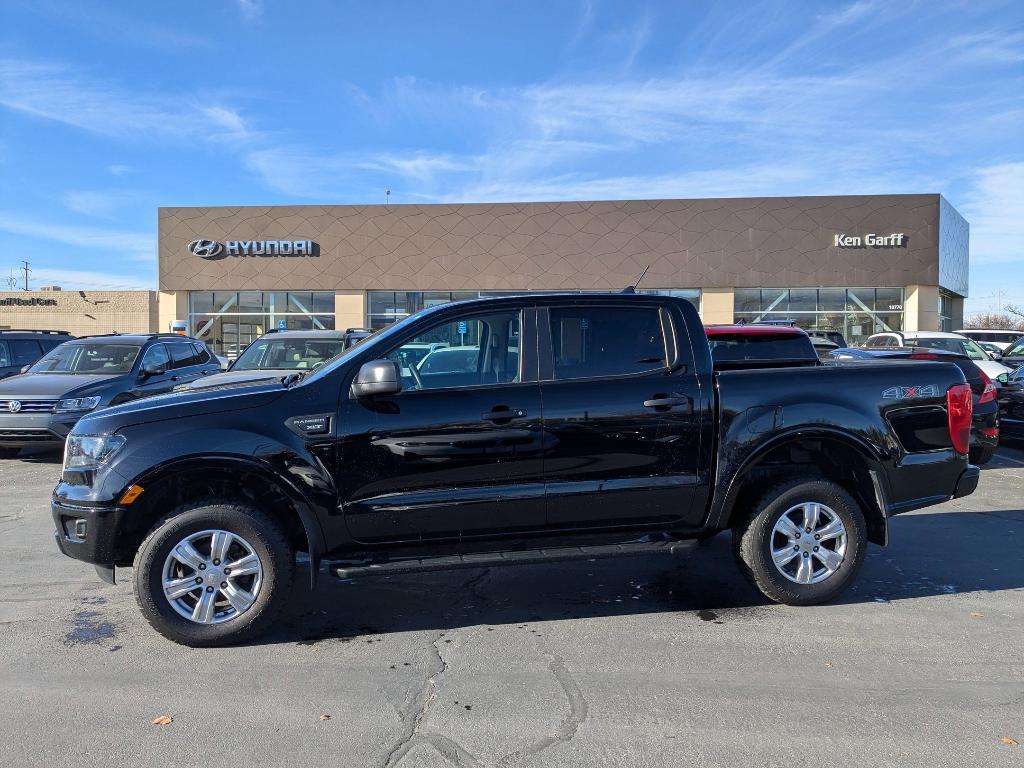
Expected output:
(77, 404)
(89, 451)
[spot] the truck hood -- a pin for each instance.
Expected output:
(53, 385)
(180, 405)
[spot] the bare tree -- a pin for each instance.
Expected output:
(1017, 313)
(1011, 319)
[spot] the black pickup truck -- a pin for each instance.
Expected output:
(580, 426)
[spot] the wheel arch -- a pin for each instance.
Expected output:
(829, 454)
(234, 478)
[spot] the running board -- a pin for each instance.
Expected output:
(347, 569)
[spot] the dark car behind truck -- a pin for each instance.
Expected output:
(590, 426)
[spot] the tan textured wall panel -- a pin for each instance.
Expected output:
(171, 306)
(94, 312)
(738, 242)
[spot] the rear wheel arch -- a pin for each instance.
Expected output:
(832, 456)
(225, 479)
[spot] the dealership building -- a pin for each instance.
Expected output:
(861, 264)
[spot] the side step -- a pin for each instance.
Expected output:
(347, 569)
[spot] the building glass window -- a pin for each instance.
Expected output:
(855, 312)
(386, 307)
(945, 311)
(228, 322)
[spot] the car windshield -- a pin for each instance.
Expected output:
(460, 360)
(1016, 349)
(97, 358)
(288, 354)
(960, 346)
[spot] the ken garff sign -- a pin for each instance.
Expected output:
(212, 250)
(895, 240)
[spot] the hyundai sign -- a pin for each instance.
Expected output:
(212, 250)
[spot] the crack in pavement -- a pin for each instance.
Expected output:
(571, 722)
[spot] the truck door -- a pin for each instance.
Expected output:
(621, 416)
(458, 451)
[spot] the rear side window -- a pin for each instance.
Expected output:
(762, 346)
(202, 353)
(606, 341)
(182, 355)
(25, 351)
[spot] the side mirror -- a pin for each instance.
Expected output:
(24, 368)
(996, 356)
(377, 377)
(1003, 378)
(153, 369)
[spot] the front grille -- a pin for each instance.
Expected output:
(27, 435)
(28, 406)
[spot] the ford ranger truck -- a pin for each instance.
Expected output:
(583, 426)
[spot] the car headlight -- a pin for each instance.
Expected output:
(89, 451)
(77, 404)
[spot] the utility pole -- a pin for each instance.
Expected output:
(26, 270)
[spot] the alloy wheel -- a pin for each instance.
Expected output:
(212, 576)
(808, 543)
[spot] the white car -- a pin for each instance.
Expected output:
(1001, 338)
(951, 342)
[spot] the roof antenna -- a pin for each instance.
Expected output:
(632, 288)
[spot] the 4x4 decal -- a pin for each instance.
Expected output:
(909, 393)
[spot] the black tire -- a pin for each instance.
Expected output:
(982, 454)
(9, 453)
(752, 541)
(257, 529)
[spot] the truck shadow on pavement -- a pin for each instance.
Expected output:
(929, 555)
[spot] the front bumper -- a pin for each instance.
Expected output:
(87, 533)
(20, 429)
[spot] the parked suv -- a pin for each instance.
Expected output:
(276, 354)
(587, 426)
(83, 375)
(19, 348)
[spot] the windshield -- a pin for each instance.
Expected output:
(1016, 349)
(380, 335)
(111, 359)
(288, 354)
(959, 346)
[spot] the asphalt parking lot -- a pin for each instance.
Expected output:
(638, 662)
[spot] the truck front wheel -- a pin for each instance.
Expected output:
(803, 542)
(213, 573)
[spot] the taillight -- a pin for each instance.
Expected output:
(959, 410)
(989, 393)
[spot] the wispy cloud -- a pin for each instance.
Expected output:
(100, 204)
(251, 9)
(50, 91)
(119, 244)
(994, 206)
(86, 279)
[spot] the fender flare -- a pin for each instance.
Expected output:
(722, 509)
(205, 461)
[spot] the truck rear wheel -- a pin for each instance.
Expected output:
(982, 454)
(213, 573)
(803, 543)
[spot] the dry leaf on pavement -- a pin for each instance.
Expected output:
(163, 720)
(325, 717)
(1009, 742)
(976, 615)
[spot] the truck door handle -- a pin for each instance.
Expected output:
(662, 402)
(503, 414)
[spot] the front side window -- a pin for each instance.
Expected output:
(96, 358)
(288, 354)
(157, 356)
(588, 342)
(25, 351)
(5, 356)
(1016, 349)
(471, 351)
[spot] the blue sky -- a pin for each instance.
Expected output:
(108, 110)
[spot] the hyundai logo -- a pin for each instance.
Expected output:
(206, 249)
(14, 406)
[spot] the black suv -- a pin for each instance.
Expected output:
(19, 348)
(79, 376)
